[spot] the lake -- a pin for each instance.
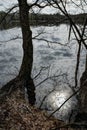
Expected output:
(55, 62)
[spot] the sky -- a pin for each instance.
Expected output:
(5, 4)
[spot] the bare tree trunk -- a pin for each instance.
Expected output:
(26, 67)
(24, 78)
(82, 115)
(83, 92)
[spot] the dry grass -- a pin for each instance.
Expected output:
(16, 114)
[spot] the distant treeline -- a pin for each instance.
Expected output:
(12, 19)
(8, 20)
(56, 19)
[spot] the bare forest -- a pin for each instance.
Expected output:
(43, 65)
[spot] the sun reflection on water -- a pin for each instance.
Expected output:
(56, 99)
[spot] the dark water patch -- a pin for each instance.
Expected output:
(2, 54)
(42, 46)
(13, 59)
(2, 68)
(67, 54)
(43, 52)
(55, 39)
(7, 53)
(4, 61)
(63, 49)
(58, 53)
(63, 52)
(48, 58)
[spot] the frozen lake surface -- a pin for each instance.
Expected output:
(52, 59)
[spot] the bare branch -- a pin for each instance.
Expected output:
(38, 5)
(48, 41)
(54, 76)
(46, 97)
(77, 65)
(42, 68)
(64, 11)
(15, 38)
(15, 6)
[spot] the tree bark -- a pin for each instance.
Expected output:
(82, 114)
(83, 92)
(26, 67)
(24, 78)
